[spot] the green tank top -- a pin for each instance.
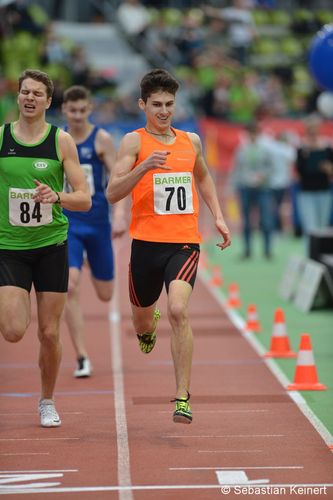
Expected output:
(25, 224)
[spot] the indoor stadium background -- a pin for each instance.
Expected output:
(223, 88)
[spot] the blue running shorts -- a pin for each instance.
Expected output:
(95, 241)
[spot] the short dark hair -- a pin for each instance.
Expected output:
(158, 80)
(76, 93)
(39, 76)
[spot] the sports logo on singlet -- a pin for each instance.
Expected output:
(40, 164)
(86, 152)
(24, 211)
(173, 193)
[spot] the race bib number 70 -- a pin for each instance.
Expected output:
(173, 193)
(24, 211)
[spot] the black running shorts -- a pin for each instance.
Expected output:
(46, 268)
(154, 264)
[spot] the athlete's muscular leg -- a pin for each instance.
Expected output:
(73, 313)
(143, 319)
(181, 336)
(14, 312)
(50, 306)
(103, 288)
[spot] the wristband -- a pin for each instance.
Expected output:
(58, 200)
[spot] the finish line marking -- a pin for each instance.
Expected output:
(129, 489)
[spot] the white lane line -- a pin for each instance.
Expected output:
(40, 439)
(251, 467)
(124, 471)
(14, 479)
(42, 471)
(230, 451)
(11, 415)
(20, 454)
(168, 487)
(223, 411)
(239, 322)
(223, 436)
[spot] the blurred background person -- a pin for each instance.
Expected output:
(251, 177)
(314, 165)
(282, 157)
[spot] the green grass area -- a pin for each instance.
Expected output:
(258, 280)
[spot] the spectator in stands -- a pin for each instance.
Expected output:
(80, 67)
(8, 107)
(18, 18)
(243, 98)
(251, 178)
(216, 102)
(157, 41)
(133, 18)
(314, 164)
(191, 38)
(272, 99)
(240, 27)
(54, 51)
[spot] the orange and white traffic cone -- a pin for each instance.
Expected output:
(216, 276)
(280, 347)
(306, 378)
(234, 299)
(252, 323)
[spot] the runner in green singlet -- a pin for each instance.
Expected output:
(34, 156)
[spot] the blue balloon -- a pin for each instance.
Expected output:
(321, 57)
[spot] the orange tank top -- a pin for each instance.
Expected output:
(165, 205)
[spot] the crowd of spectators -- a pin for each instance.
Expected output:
(238, 61)
(214, 51)
(228, 59)
(29, 40)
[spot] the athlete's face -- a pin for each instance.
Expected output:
(77, 112)
(32, 98)
(159, 109)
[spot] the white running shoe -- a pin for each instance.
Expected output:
(84, 368)
(48, 414)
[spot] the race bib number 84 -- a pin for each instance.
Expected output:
(24, 211)
(173, 193)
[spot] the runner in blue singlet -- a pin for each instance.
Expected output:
(89, 232)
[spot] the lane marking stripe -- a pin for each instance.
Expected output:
(39, 439)
(20, 454)
(124, 473)
(36, 471)
(230, 451)
(224, 436)
(239, 468)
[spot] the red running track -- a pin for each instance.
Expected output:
(118, 440)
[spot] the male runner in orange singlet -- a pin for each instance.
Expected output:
(162, 166)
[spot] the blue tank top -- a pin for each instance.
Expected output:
(97, 178)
